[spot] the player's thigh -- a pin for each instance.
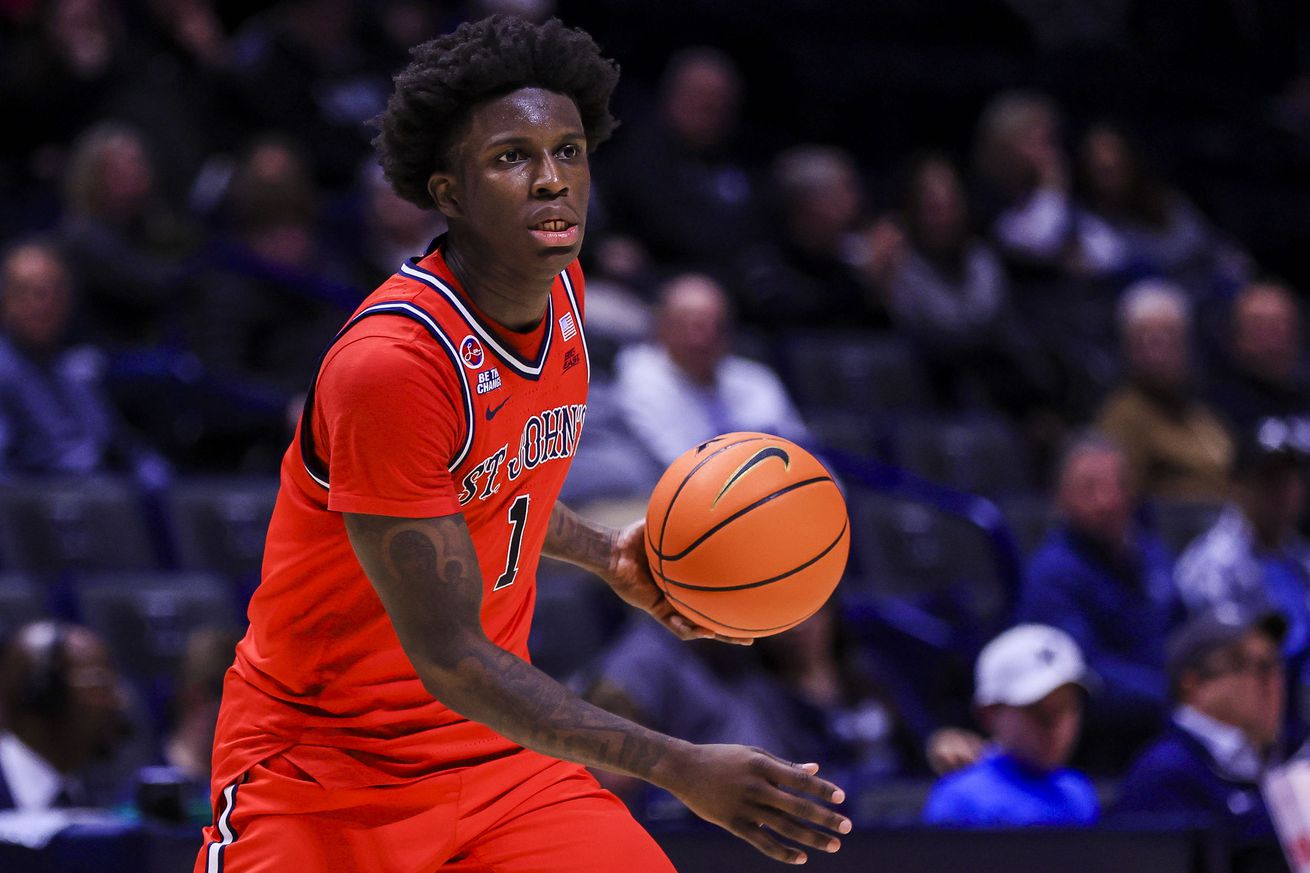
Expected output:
(571, 826)
(278, 820)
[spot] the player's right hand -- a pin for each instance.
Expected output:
(760, 797)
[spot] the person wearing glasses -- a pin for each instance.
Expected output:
(1226, 679)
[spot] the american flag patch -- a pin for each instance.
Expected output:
(567, 328)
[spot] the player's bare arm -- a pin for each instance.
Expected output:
(618, 555)
(426, 574)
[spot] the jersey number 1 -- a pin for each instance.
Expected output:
(518, 518)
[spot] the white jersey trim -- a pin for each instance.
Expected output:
(511, 359)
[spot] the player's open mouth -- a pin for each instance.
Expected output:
(556, 232)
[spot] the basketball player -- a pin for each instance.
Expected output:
(381, 714)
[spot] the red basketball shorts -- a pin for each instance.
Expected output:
(525, 813)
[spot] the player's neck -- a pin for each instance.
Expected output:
(508, 298)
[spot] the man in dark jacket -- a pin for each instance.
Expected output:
(1226, 677)
(1107, 583)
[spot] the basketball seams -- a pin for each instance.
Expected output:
(749, 547)
(668, 510)
(682, 604)
(804, 483)
(780, 577)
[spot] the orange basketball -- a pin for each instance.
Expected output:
(747, 534)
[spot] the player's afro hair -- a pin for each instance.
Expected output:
(482, 60)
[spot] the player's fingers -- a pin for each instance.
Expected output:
(801, 778)
(762, 840)
(807, 811)
(798, 833)
(736, 641)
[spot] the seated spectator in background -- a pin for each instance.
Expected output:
(1108, 583)
(1263, 376)
(1030, 683)
(1177, 446)
(299, 65)
(1024, 181)
(128, 244)
(1226, 678)
(55, 416)
(1134, 224)
(700, 209)
(839, 707)
(686, 387)
(63, 710)
(271, 299)
(823, 268)
(189, 744)
(1254, 557)
(702, 691)
(948, 291)
(390, 230)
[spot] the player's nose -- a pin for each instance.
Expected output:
(550, 181)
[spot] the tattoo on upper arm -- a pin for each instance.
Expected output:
(410, 553)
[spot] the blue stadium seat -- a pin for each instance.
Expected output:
(57, 526)
(910, 550)
(21, 601)
(220, 524)
(854, 370)
(976, 453)
(1030, 517)
(146, 617)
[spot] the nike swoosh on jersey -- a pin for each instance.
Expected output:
(491, 411)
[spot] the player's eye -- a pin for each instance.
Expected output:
(510, 156)
(569, 150)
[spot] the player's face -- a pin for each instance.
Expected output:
(1041, 734)
(518, 191)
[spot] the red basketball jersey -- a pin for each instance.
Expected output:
(421, 408)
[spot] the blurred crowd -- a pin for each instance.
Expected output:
(1022, 302)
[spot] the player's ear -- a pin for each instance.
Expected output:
(443, 190)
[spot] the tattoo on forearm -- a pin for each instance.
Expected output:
(572, 539)
(429, 577)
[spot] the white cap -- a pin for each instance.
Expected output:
(1025, 664)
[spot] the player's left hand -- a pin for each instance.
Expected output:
(629, 575)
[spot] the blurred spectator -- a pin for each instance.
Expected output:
(54, 414)
(687, 388)
(1133, 224)
(823, 267)
(58, 75)
(64, 710)
(948, 291)
(1225, 675)
(1029, 695)
(181, 96)
(1024, 179)
(703, 691)
(1108, 583)
(1263, 375)
(273, 297)
(839, 708)
(391, 229)
(127, 242)
(1253, 557)
(189, 744)
(300, 70)
(1177, 446)
(700, 209)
